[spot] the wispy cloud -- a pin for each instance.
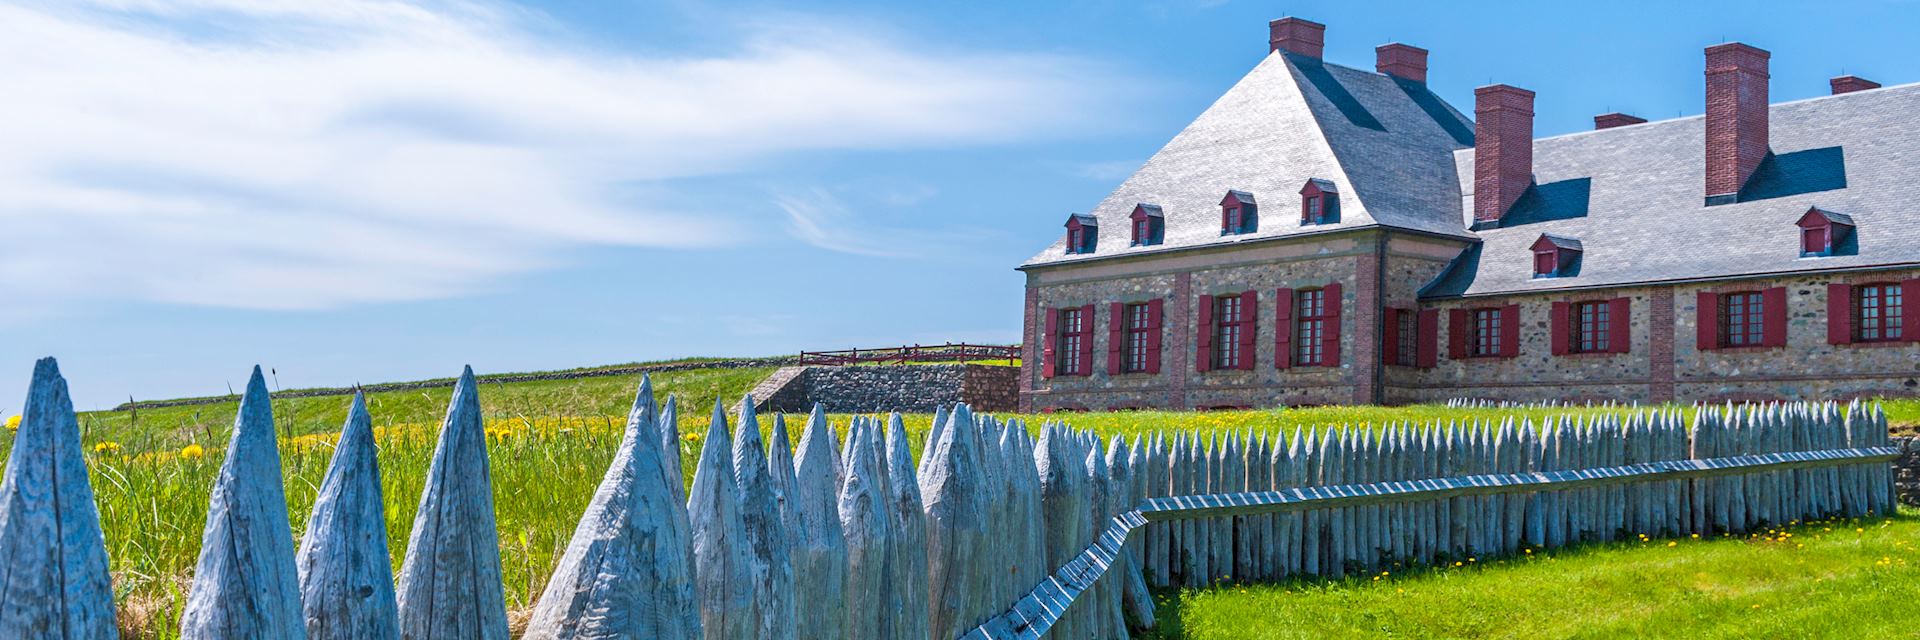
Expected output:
(318, 153)
(819, 217)
(1108, 171)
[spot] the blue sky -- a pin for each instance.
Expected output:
(355, 190)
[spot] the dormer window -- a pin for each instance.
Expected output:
(1319, 202)
(1149, 226)
(1824, 233)
(1555, 256)
(1238, 214)
(1082, 232)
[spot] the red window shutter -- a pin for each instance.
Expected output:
(1116, 336)
(1203, 340)
(1330, 337)
(1510, 331)
(1086, 340)
(1909, 329)
(1390, 336)
(1153, 335)
(1427, 339)
(1620, 325)
(1049, 340)
(1774, 304)
(1249, 327)
(1283, 329)
(1840, 313)
(1561, 327)
(1706, 322)
(1457, 334)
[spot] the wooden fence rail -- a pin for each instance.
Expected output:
(949, 352)
(993, 533)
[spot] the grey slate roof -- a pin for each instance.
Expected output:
(1386, 143)
(1633, 195)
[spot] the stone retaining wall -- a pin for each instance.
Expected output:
(904, 388)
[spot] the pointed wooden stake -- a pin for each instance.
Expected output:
(53, 581)
(346, 576)
(246, 585)
(767, 543)
(820, 546)
(450, 582)
(628, 572)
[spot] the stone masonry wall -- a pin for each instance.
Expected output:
(1665, 363)
(1263, 269)
(904, 388)
(1906, 471)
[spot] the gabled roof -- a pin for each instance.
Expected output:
(1557, 242)
(1323, 184)
(1386, 143)
(1084, 220)
(1636, 193)
(1148, 210)
(1829, 216)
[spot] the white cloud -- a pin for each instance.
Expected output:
(318, 153)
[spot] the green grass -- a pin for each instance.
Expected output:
(1857, 579)
(550, 443)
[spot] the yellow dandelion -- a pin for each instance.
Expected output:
(13, 423)
(106, 447)
(193, 452)
(1671, 543)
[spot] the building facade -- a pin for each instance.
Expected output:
(1329, 235)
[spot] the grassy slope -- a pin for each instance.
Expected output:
(1827, 580)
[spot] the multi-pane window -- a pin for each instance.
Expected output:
(1072, 331)
(1876, 313)
(1143, 231)
(1310, 308)
(1742, 321)
(1076, 241)
(1486, 332)
(1227, 327)
(1408, 322)
(1232, 221)
(1314, 213)
(1591, 327)
(1134, 351)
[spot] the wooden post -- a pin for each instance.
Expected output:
(722, 556)
(670, 443)
(346, 578)
(955, 533)
(864, 518)
(770, 569)
(50, 526)
(907, 567)
(629, 570)
(819, 543)
(246, 583)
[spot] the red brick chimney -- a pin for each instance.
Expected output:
(1615, 119)
(1403, 61)
(1297, 36)
(1850, 84)
(1502, 150)
(1736, 117)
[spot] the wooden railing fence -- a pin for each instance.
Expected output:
(950, 352)
(991, 534)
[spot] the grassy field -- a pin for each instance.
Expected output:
(1846, 579)
(549, 442)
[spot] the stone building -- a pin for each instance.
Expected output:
(1326, 235)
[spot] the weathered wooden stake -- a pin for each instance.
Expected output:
(820, 544)
(907, 568)
(346, 577)
(629, 570)
(721, 553)
(55, 584)
(771, 569)
(246, 584)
